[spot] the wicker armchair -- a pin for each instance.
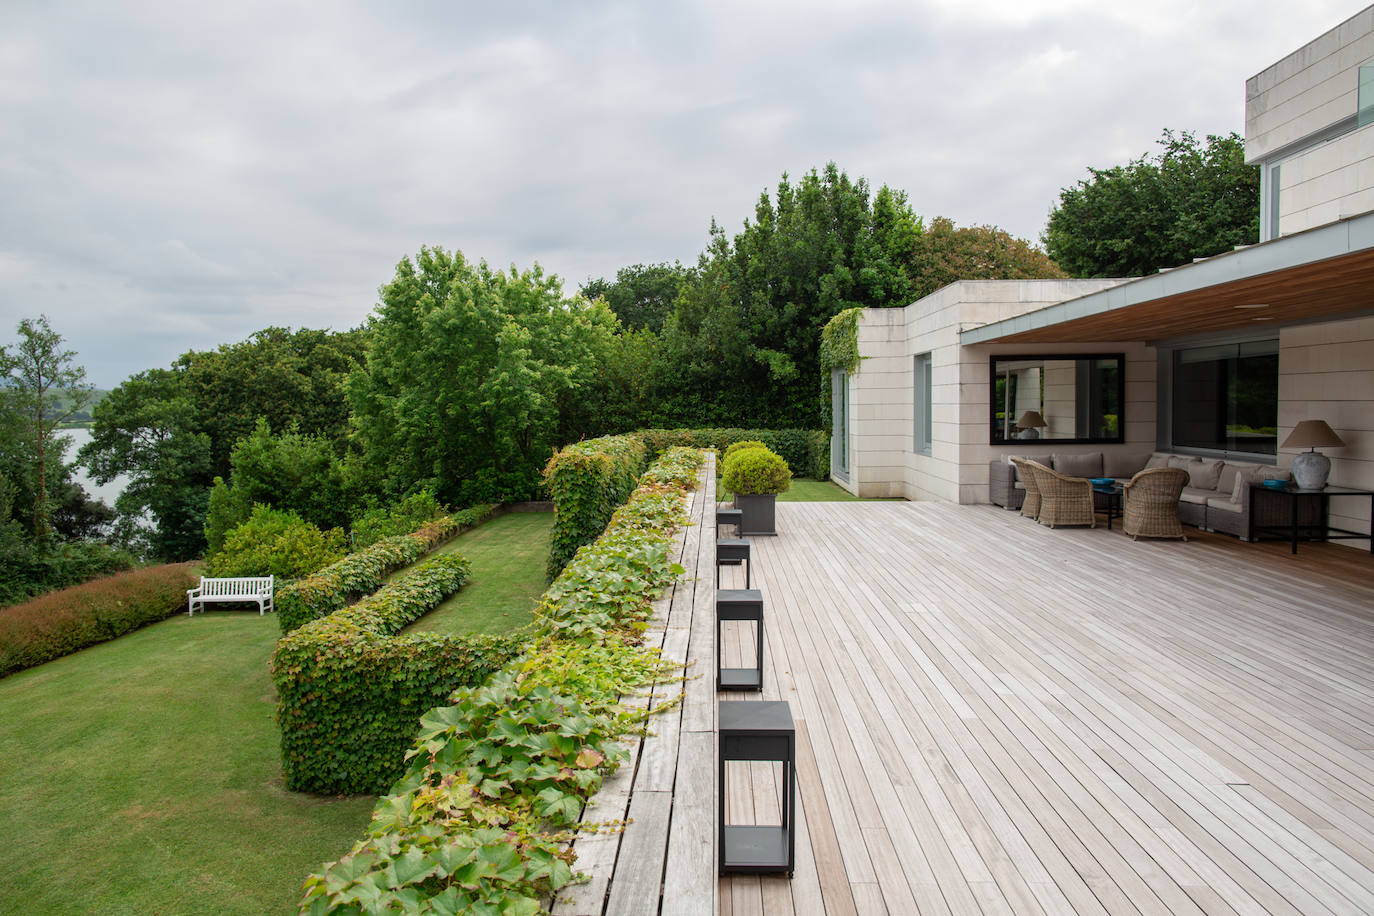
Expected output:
(1149, 503)
(1064, 500)
(1030, 506)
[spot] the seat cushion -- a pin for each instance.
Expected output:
(1195, 496)
(1085, 465)
(1223, 503)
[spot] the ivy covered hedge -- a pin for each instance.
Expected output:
(586, 481)
(350, 692)
(806, 451)
(498, 779)
(359, 573)
(59, 623)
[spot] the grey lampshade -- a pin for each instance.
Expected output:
(1312, 434)
(1031, 419)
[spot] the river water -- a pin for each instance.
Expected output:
(109, 491)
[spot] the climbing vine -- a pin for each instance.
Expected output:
(839, 350)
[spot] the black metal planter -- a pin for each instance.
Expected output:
(758, 513)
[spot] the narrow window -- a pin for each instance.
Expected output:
(1364, 113)
(839, 430)
(923, 399)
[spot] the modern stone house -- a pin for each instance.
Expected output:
(1221, 358)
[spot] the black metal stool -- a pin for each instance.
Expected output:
(759, 731)
(729, 517)
(739, 604)
(731, 552)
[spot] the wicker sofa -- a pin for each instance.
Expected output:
(1213, 500)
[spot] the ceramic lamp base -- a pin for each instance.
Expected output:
(1310, 470)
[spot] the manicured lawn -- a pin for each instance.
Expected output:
(507, 555)
(803, 491)
(141, 776)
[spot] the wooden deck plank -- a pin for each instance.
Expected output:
(1068, 721)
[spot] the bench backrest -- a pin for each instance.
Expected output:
(246, 585)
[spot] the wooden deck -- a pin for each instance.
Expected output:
(994, 717)
(997, 718)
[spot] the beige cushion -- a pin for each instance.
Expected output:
(1087, 465)
(1123, 464)
(1196, 496)
(1246, 474)
(1203, 474)
(1224, 503)
(1181, 461)
(1273, 473)
(1158, 460)
(1226, 483)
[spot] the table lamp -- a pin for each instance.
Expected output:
(1029, 423)
(1310, 468)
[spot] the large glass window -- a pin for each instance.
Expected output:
(923, 396)
(1226, 397)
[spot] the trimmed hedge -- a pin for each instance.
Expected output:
(359, 573)
(498, 779)
(806, 451)
(586, 481)
(350, 693)
(59, 623)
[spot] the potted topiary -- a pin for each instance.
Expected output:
(756, 476)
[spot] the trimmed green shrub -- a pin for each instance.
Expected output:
(756, 470)
(60, 623)
(29, 568)
(401, 518)
(358, 573)
(586, 481)
(806, 451)
(275, 543)
(350, 693)
(743, 443)
(499, 778)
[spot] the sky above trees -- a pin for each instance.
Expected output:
(176, 176)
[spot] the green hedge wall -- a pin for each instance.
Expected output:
(350, 693)
(587, 481)
(359, 573)
(59, 623)
(806, 451)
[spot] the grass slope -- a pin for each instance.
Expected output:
(142, 776)
(507, 556)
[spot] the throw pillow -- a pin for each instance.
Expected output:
(1203, 475)
(1158, 460)
(1245, 476)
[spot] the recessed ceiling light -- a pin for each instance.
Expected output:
(1265, 318)
(1260, 305)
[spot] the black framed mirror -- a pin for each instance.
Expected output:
(1062, 398)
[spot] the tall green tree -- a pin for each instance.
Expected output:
(172, 431)
(1190, 200)
(468, 371)
(945, 253)
(44, 387)
(642, 295)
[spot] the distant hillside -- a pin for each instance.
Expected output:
(83, 416)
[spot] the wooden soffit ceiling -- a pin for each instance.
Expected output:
(1322, 288)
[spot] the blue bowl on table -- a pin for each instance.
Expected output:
(1102, 481)
(1276, 484)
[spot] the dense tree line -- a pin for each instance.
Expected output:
(1190, 200)
(465, 378)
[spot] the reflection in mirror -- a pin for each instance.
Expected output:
(1064, 398)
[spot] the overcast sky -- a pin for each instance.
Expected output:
(178, 175)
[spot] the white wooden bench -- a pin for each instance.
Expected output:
(257, 589)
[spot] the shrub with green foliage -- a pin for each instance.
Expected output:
(363, 571)
(807, 451)
(62, 622)
(752, 471)
(743, 443)
(586, 481)
(350, 692)
(401, 518)
(29, 567)
(498, 779)
(275, 543)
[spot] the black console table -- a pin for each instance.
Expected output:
(1293, 514)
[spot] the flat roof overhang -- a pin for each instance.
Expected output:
(1324, 273)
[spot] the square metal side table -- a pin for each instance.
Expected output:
(739, 604)
(759, 731)
(733, 552)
